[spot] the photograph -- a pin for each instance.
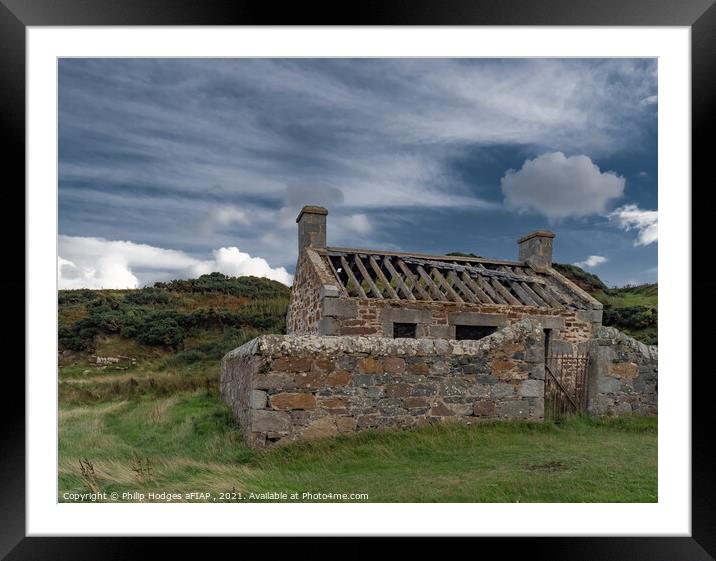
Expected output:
(357, 280)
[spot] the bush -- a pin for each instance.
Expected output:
(82, 296)
(160, 331)
(148, 297)
(634, 317)
(250, 287)
(149, 315)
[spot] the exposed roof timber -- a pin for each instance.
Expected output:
(352, 277)
(500, 274)
(416, 282)
(410, 277)
(336, 251)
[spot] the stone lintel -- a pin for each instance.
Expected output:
(398, 315)
(549, 322)
(339, 307)
(476, 318)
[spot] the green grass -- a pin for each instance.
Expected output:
(188, 442)
(644, 295)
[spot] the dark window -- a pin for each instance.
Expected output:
(463, 332)
(404, 330)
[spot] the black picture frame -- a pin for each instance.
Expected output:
(699, 15)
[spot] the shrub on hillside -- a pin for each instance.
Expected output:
(148, 297)
(584, 280)
(82, 296)
(250, 287)
(160, 330)
(633, 318)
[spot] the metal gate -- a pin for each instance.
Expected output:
(565, 385)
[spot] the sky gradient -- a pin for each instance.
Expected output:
(170, 168)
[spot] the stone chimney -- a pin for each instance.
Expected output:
(536, 249)
(311, 227)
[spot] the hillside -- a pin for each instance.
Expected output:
(162, 340)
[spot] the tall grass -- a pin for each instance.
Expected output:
(190, 442)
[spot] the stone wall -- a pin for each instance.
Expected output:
(375, 318)
(624, 374)
(284, 388)
(312, 283)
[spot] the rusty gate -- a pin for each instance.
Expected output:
(565, 385)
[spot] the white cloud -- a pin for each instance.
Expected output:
(358, 223)
(228, 215)
(234, 262)
(86, 262)
(645, 222)
(558, 186)
(592, 261)
(650, 100)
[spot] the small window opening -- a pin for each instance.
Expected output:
(474, 332)
(404, 330)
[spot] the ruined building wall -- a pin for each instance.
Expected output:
(375, 318)
(304, 312)
(312, 283)
(285, 388)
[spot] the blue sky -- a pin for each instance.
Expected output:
(170, 168)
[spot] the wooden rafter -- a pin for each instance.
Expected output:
(382, 278)
(431, 284)
(441, 280)
(476, 289)
(364, 272)
(398, 279)
(506, 294)
(352, 277)
(546, 296)
(416, 282)
(413, 277)
(466, 292)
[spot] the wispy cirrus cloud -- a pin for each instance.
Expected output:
(201, 154)
(592, 261)
(645, 222)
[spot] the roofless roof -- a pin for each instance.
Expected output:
(383, 275)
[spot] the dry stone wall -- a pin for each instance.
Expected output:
(284, 388)
(624, 376)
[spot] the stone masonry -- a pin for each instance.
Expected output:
(471, 339)
(285, 388)
(624, 374)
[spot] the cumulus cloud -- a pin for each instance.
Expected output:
(86, 262)
(592, 261)
(558, 186)
(645, 222)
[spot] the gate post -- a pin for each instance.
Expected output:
(594, 366)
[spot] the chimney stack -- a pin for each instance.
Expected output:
(311, 227)
(536, 249)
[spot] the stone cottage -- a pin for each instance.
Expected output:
(380, 339)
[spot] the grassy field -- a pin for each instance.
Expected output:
(153, 422)
(187, 442)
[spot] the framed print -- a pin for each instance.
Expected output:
(393, 276)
